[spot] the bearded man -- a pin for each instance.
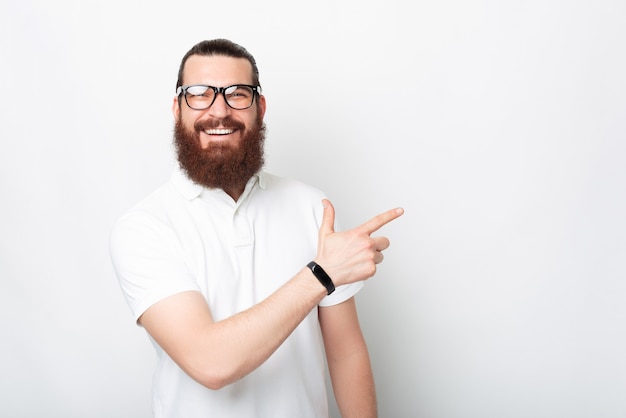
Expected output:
(237, 275)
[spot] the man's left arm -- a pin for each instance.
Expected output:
(348, 360)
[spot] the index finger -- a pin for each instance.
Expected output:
(380, 220)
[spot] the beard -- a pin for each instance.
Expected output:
(220, 165)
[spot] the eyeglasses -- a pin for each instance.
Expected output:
(200, 97)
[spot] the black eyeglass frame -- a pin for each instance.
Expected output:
(256, 91)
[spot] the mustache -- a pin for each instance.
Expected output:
(227, 123)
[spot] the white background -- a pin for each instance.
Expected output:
(498, 125)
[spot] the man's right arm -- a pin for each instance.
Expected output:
(219, 353)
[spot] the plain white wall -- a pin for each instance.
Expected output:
(499, 126)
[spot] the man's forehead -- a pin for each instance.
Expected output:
(217, 67)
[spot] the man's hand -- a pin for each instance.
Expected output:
(351, 256)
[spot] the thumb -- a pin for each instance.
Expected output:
(328, 220)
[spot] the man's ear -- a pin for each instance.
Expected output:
(176, 108)
(262, 105)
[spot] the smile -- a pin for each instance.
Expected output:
(219, 131)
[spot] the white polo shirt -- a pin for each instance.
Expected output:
(186, 237)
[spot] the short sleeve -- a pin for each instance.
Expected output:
(148, 261)
(342, 293)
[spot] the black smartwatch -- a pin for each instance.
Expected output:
(321, 275)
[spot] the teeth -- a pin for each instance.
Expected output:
(218, 131)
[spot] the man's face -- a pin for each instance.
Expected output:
(219, 147)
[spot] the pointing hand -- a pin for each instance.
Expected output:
(350, 256)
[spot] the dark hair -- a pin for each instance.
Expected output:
(219, 47)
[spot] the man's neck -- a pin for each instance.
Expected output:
(235, 192)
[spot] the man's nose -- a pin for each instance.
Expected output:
(219, 108)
